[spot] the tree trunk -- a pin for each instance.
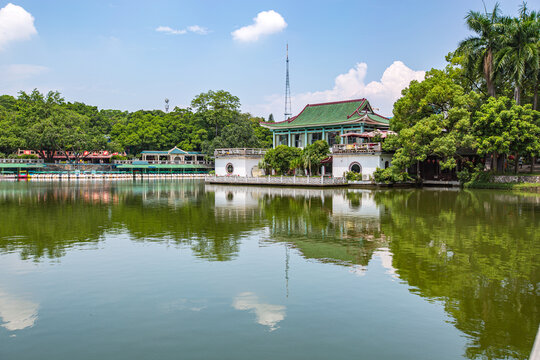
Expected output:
(517, 95)
(418, 170)
(494, 166)
(533, 159)
(516, 162)
(488, 73)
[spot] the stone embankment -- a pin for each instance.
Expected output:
(509, 179)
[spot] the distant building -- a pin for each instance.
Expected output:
(174, 156)
(97, 157)
(174, 160)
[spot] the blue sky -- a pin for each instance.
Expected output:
(109, 54)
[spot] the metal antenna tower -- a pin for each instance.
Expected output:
(288, 112)
(166, 105)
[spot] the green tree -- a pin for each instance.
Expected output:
(503, 127)
(479, 50)
(432, 118)
(519, 53)
(280, 158)
(216, 108)
(314, 154)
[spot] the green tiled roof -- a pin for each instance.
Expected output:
(334, 113)
(155, 152)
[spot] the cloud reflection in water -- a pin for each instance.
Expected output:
(17, 313)
(267, 314)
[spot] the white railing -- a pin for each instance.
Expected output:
(279, 180)
(356, 148)
(21, 161)
(239, 151)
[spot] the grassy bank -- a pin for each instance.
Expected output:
(527, 187)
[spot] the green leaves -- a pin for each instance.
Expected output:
(501, 126)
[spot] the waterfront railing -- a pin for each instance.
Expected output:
(279, 180)
(21, 161)
(154, 162)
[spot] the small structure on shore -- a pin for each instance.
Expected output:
(93, 157)
(173, 161)
(173, 156)
(239, 162)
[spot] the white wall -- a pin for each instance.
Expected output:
(369, 163)
(242, 165)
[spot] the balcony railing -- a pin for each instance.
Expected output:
(239, 151)
(356, 148)
(154, 162)
(22, 161)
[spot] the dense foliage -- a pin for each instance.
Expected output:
(285, 159)
(466, 108)
(46, 123)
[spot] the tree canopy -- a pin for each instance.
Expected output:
(46, 123)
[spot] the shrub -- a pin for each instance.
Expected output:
(353, 176)
(390, 175)
(27, 156)
(119, 157)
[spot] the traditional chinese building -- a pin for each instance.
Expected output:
(347, 126)
(174, 156)
(327, 121)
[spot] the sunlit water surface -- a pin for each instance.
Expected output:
(177, 270)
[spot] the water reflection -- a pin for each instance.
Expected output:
(16, 312)
(266, 314)
(476, 252)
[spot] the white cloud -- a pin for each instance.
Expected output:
(381, 94)
(266, 23)
(196, 29)
(16, 24)
(169, 30)
(18, 72)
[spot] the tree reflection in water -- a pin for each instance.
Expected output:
(476, 252)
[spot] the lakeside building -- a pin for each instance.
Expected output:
(347, 126)
(175, 160)
(174, 156)
(327, 121)
(94, 157)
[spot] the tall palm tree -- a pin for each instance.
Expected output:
(479, 50)
(519, 54)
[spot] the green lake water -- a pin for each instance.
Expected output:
(177, 270)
